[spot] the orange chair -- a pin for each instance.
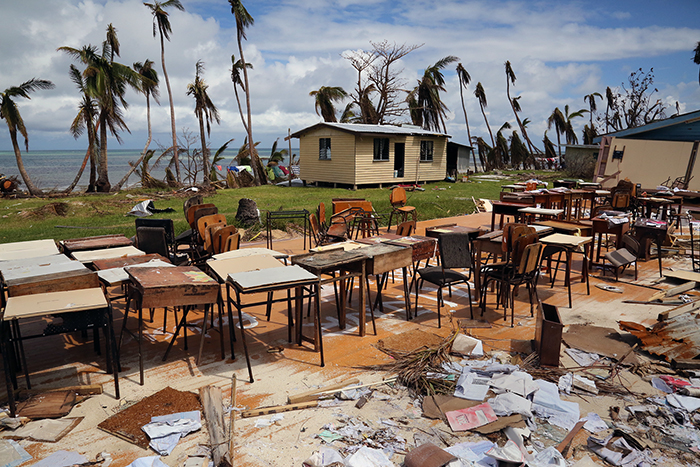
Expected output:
(398, 200)
(219, 239)
(204, 228)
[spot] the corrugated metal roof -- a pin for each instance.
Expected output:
(675, 339)
(360, 128)
(684, 127)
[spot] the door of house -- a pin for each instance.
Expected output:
(399, 159)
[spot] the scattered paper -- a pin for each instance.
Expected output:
(262, 422)
(473, 417)
(471, 386)
(594, 423)
(62, 459)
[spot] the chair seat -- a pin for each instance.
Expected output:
(437, 275)
(406, 208)
(620, 257)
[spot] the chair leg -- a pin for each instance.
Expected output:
(438, 305)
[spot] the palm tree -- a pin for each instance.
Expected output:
(85, 121)
(243, 21)
(464, 80)
(514, 103)
(590, 98)
(696, 58)
(10, 113)
(149, 87)
(481, 97)
(106, 82)
(325, 96)
(236, 69)
(428, 95)
(206, 112)
(161, 23)
(569, 129)
(557, 120)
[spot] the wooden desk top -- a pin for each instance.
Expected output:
(40, 269)
(377, 239)
(565, 226)
(29, 249)
(437, 230)
(173, 286)
(282, 277)
(385, 257)
(111, 263)
(566, 240)
(543, 211)
(54, 302)
(94, 243)
(243, 252)
(118, 275)
(497, 203)
(90, 256)
(346, 246)
(325, 261)
(223, 267)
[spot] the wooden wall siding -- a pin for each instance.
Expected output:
(352, 159)
(341, 167)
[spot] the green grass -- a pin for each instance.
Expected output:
(98, 214)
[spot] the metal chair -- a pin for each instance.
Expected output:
(623, 257)
(454, 254)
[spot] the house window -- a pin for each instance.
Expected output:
(324, 148)
(426, 151)
(381, 149)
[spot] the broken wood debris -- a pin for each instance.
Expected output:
(212, 404)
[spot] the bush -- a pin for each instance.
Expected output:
(580, 165)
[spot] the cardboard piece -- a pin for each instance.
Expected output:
(48, 405)
(515, 421)
(473, 417)
(428, 455)
(46, 430)
(436, 406)
(600, 340)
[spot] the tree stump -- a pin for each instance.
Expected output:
(247, 213)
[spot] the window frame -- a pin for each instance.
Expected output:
(381, 151)
(324, 149)
(427, 150)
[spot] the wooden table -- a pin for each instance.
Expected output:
(602, 226)
(648, 230)
(571, 244)
(271, 280)
(45, 274)
(244, 252)
(504, 208)
(347, 264)
(570, 228)
(90, 256)
(54, 303)
(531, 212)
(126, 261)
(29, 249)
(183, 286)
(381, 259)
(94, 243)
(660, 204)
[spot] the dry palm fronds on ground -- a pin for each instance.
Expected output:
(423, 369)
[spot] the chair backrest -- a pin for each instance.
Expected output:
(455, 250)
(220, 237)
(198, 211)
(152, 240)
(397, 198)
(630, 243)
(621, 200)
(406, 228)
(205, 221)
(321, 213)
(315, 228)
(233, 242)
(530, 258)
(166, 224)
(520, 245)
(511, 232)
(193, 201)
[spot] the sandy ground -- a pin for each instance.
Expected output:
(294, 438)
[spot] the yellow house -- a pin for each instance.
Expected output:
(358, 154)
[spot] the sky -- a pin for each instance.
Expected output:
(559, 50)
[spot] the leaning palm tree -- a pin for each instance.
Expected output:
(557, 120)
(481, 97)
(206, 112)
(590, 98)
(10, 113)
(149, 87)
(464, 80)
(428, 95)
(161, 23)
(569, 132)
(325, 96)
(514, 103)
(236, 71)
(85, 121)
(243, 21)
(696, 58)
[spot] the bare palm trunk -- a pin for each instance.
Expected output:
(466, 122)
(103, 185)
(33, 190)
(493, 142)
(172, 109)
(240, 109)
(559, 143)
(121, 183)
(258, 171)
(205, 154)
(88, 154)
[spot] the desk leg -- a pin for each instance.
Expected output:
(659, 242)
(140, 338)
(231, 335)
(342, 306)
(183, 322)
(290, 317)
(111, 343)
(361, 304)
(204, 332)
(406, 293)
(245, 344)
(317, 317)
(569, 258)
(477, 272)
(587, 249)
(299, 312)
(8, 364)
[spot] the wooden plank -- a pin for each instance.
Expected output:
(565, 443)
(686, 308)
(683, 275)
(278, 409)
(681, 288)
(313, 394)
(83, 390)
(212, 404)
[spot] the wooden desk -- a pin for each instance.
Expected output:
(29, 249)
(90, 256)
(660, 204)
(571, 244)
(45, 274)
(44, 304)
(532, 211)
(347, 264)
(647, 230)
(94, 243)
(183, 286)
(271, 280)
(570, 228)
(244, 252)
(123, 262)
(602, 226)
(504, 208)
(381, 259)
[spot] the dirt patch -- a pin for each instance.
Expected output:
(48, 210)
(127, 423)
(410, 341)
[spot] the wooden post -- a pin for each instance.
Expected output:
(212, 403)
(232, 417)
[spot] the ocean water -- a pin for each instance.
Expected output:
(55, 170)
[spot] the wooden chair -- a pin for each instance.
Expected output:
(406, 228)
(219, 239)
(204, 226)
(398, 201)
(621, 258)
(233, 242)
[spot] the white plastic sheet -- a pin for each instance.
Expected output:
(368, 457)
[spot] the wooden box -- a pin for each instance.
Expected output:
(548, 332)
(174, 286)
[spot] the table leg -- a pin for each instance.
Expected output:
(406, 293)
(659, 242)
(112, 347)
(317, 317)
(140, 338)
(569, 258)
(343, 292)
(477, 272)
(183, 322)
(8, 364)
(361, 304)
(245, 344)
(231, 335)
(299, 312)
(204, 332)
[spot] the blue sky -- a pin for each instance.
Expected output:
(559, 50)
